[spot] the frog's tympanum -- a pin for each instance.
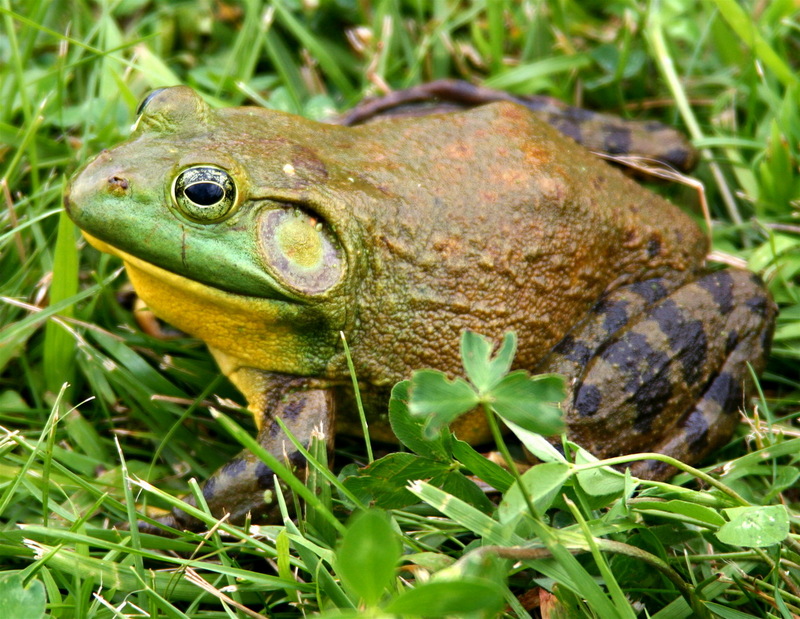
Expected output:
(266, 235)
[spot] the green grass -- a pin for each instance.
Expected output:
(71, 74)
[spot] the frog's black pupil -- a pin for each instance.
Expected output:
(147, 100)
(204, 194)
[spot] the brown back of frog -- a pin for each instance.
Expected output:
(650, 141)
(490, 220)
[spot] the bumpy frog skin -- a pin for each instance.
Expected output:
(266, 234)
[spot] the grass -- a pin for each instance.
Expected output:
(70, 78)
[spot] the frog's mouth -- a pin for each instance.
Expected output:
(241, 331)
(161, 289)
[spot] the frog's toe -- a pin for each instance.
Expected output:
(241, 490)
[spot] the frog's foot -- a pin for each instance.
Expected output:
(244, 487)
(664, 371)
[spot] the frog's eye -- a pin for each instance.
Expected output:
(205, 194)
(301, 250)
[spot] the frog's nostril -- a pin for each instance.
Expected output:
(117, 183)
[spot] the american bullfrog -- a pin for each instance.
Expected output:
(266, 235)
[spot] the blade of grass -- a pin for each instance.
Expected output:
(744, 26)
(59, 344)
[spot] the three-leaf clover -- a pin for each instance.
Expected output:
(528, 401)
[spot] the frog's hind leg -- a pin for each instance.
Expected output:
(654, 369)
(713, 418)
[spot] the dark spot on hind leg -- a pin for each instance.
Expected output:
(650, 290)
(758, 305)
(617, 140)
(650, 399)
(695, 428)
(687, 338)
(614, 314)
(725, 390)
(264, 475)
(720, 286)
(588, 400)
(574, 350)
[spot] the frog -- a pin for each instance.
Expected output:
(273, 237)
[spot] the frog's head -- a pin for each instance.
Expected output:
(224, 229)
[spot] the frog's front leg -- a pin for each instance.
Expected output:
(240, 487)
(659, 368)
